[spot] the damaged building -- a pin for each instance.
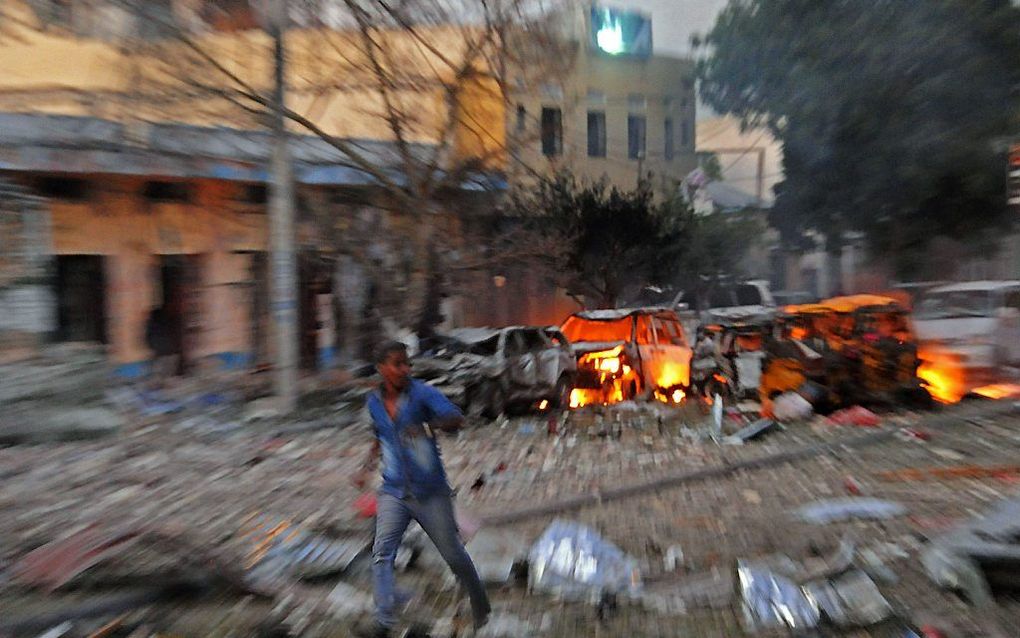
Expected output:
(112, 230)
(143, 197)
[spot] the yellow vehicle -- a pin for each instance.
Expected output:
(880, 348)
(860, 348)
(795, 352)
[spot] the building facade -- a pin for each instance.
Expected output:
(617, 114)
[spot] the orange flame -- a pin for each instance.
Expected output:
(998, 390)
(942, 374)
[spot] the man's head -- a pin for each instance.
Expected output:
(394, 366)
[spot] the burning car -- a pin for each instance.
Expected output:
(485, 371)
(628, 353)
(968, 332)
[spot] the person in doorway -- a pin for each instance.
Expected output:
(160, 334)
(406, 414)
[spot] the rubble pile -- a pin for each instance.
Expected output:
(56, 395)
(263, 511)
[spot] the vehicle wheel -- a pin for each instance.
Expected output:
(561, 395)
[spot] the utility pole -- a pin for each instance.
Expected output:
(283, 278)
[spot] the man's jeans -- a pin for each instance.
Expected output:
(435, 515)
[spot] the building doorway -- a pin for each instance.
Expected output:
(314, 286)
(81, 298)
(179, 293)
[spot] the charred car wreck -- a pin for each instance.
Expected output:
(627, 354)
(487, 371)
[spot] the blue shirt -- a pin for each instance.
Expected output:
(411, 462)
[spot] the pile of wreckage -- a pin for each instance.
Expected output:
(838, 353)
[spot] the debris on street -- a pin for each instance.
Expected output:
(574, 562)
(791, 407)
(857, 415)
(825, 512)
(979, 557)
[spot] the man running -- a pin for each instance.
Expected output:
(406, 414)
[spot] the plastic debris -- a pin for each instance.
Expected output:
(773, 601)
(366, 505)
(496, 553)
(852, 486)
(791, 407)
(831, 511)
(573, 561)
(674, 558)
(753, 431)
(717, 414)
(851, 600)
(280, 549)
(857, 415)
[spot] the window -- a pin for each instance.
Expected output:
(66, 188)
(636, 136)
(667, 102)
(643, 334)
(685, 134)
(668, 331)
(167, 192)
(667, 134)
(253, 194)
(552, 131)
(636, 102)
(522, 118)
(534, 341)
(596, 134)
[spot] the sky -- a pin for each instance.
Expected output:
(674, 21)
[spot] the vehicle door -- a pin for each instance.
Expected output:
(1007, 334)
(648, 352)
(520, 358)
(549, 359)
(673, 350)
(567, 362)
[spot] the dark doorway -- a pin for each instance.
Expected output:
(313, 280)
(81, 298)
(260, 322)
(179, 292)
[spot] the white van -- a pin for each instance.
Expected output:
(978, 322)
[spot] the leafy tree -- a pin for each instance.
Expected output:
(716, 244)
(597, 240)
(891, 113)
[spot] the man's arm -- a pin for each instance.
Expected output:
(443, 414)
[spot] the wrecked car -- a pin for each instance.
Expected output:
(738, 350)
(486, 371)
(628, 353)
(858, 349)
